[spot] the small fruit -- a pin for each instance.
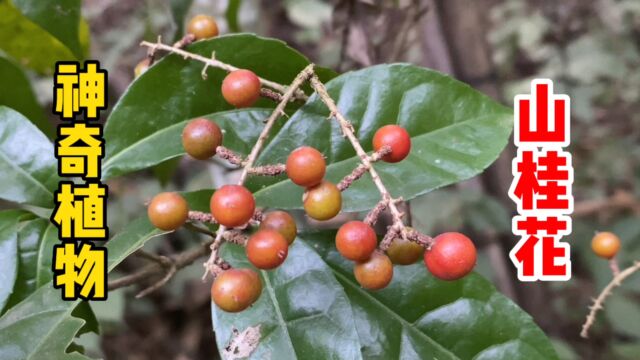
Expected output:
(323, 201)
(141, 67)
(451, 257)
(236, 289)
(241, 88)
(281, 222)
(356, 240)
(267, 249)
(375, 273)
(168, 211)
(232, 205)
(605, 244)
(202, 27)
(306, 166)
(397, 138)
(404, 252)
(201, 137)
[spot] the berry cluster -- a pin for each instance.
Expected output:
(449, 256)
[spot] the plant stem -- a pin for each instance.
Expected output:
(598, 303)
(347, 130)
(211, 264)
(299, 94)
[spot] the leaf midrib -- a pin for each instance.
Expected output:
(276, 305)
(21, 170)
(401, 320)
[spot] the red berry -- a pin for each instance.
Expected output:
(356, 240)
(451, 257)
(396, 138)
(236, 289)
(267, 249)
(306, 166)
(241, 88)
(281, 222)
(202, 27)
(323, 201)
(201, 137)
(168, 211)
(232, 205)
(605, 244)
(375, 273)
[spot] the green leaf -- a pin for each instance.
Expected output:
(302, 312)
(418, 316)
(179, 9)
(60, 18)
(29, 44)
(173, 90)
(241, 129)
(32, 260)
(456, 133)
(313, 300)
(42, 325)
(231, 14)
(27, 166)
(20, 97)
(8, 253)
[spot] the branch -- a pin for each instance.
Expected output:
(598, 303)
(177, 262)
(362, 168)
(347, 130)
(620, 199)
(299, 94)
(211, 265)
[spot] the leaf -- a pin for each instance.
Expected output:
(173, 90)
(417, 316)
(32, 235)
(20, 96)
(60, 18)
(27, 173)
(179, 9)
(302, 312)
(231, 14)
(456, 133)
(41, 326)
(241, 129)
(29, 44)
(8, 253)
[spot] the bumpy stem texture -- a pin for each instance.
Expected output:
(598, 303)
(347, 130)
(211, 264)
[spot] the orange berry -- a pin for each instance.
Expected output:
(232, 205)
(236, 289)
(281, 222)
(202, 27)
(397, 138)
(168, 211)
(267, 249)
(375, 273)
(201, 137)
(451, 257)
(306, 166)
(241, 88)
(356, 240)
(605, 244)
(323, 201)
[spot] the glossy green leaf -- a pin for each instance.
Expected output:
(41, 326)
(8, 253)
(241, 129)
(60, 18)
(415, 317)
(28, 169)
(32, 235)
(173, 90)
(28, 43)
(456, 133)
(302, 312)
(20, 97)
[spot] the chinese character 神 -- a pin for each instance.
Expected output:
(80, 270)
(75, 90)
(79, 150)
(80, 211)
